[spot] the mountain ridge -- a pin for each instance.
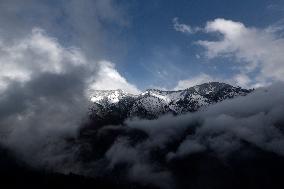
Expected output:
(119, 105)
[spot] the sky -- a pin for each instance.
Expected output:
(171, 45)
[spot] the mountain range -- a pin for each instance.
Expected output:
(114, 106)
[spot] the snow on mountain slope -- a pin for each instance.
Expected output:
(106, 97)
(153, 103)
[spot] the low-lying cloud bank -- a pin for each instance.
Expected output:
(245, 123)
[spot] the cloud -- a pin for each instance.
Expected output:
(186, 148)
(241, 80)
(257, 50)
(34, 55)
(44, 97)
(183, 28)
(109, 78)
(91, 25)
(199, 79)
(121, 152)
(139, 170)
(95, 26)
(244, 81)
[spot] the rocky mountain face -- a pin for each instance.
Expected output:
(114, 106)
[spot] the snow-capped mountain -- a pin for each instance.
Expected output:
(117, 105)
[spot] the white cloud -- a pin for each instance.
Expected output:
(199, 79)
(108, 78)
(259, 51)
(183, 27)
(232, 29)
(33, 55)
(242, 80)
(38, 53)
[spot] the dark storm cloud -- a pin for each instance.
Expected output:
(17, 98)
(43, 97)
(40, 122)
